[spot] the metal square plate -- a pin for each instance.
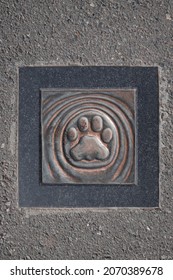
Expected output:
(88, 137)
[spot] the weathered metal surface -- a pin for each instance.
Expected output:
(88, 136)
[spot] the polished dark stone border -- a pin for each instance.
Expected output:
(34, 194)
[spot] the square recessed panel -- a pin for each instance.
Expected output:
(88, 137)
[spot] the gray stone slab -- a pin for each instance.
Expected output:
(64, 143)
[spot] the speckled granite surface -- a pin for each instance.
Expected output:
(87, 33)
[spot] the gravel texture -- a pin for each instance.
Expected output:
(100, 32)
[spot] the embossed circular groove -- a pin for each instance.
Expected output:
(98, 149)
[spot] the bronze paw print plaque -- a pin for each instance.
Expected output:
(88, 137)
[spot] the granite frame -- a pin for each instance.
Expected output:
(32, 193)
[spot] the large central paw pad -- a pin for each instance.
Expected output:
(93, 139)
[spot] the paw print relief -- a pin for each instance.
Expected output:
(88, 137)
(90, 147)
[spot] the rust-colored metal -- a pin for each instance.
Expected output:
(88, 136)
